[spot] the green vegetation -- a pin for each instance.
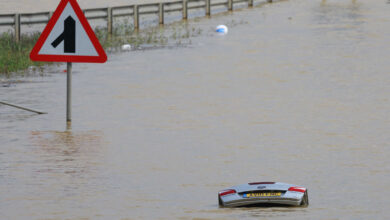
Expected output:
(175, 34)
(14, 57)
(124, 33)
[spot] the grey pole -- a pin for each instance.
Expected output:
(185, 9)
(109, 20)
(136, 17)
(208, 7)
(69, 92)
(230, 5)
(17, 27)
(19, 107)
(161, 12)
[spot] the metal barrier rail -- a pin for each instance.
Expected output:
(17, 20)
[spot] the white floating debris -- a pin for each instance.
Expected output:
(126, 47)
(221, 29)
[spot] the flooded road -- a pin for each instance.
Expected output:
(297, 92)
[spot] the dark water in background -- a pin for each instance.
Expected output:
(297, 92)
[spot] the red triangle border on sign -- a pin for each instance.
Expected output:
(35, 56)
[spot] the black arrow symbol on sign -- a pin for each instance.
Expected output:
(68, 36)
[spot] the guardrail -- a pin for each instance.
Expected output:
(17, 20)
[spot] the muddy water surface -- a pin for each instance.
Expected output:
(297, 92)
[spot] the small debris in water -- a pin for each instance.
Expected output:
(222, 29)
(126, 47)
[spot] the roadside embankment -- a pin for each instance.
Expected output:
(14, 57)
(121, 25)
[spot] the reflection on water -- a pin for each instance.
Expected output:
(66, 152)
(253, 213)
(297, 92)
(66, 143)
(55, 169)
(272, 212)
(324, 2)
(344, 21)
(340, 12)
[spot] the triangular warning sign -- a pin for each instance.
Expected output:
(68, 37)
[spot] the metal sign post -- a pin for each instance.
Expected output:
(69, 38)
(69, 92)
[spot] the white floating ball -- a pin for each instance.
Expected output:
(126, 47)
(221, 29)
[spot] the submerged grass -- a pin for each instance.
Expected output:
(14, 57)
(175, 34)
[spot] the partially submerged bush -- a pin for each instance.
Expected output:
(16, 56)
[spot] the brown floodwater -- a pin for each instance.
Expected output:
(298, 92)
